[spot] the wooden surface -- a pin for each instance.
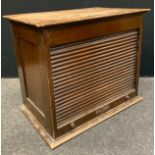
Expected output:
(69, 16)
(71, 33)
(73, 76)
(55, 143)
(75, 69)
(32, 71)
(92, 73)
(72, 62)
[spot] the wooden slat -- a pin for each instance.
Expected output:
(87, 67)
(85, 111)
(91, 77)
(100, 82)
(94, 56)
(88, 101)
(87, 76)
(87, 89)
(96, 94)
(81, 47)
(92, 73)
(71, 86)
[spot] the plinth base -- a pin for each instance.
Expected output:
(53, 143)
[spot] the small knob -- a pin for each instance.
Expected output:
(72, 125)
(127, 96)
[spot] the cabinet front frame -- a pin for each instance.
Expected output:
(75, 32)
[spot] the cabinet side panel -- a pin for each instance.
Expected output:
(32, 74)
(31, 71)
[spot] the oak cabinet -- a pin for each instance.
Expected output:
(77, 67)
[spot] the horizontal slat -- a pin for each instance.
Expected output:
(92, 109)
(84, 107)
(89, 103)
(94, 67)
(96, 92)
(98, 69)
(86, 88)
(87, 84)
(76, 46)
(101, 62)
(90, 49)
(67, 112)
(83, 86)
(89, 89)
(96, 55)
(92, 73)
(69, 87)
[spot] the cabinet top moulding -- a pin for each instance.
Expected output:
(44, 19)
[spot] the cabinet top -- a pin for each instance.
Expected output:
(43, 19)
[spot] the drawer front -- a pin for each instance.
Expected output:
(91, 74)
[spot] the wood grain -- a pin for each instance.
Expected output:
(78, 68)
(95, 80)
(69, 16)
(32, 73)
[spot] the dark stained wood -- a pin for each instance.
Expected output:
(95, 78)
(63, 34)
(31, 71)
(77, 67)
